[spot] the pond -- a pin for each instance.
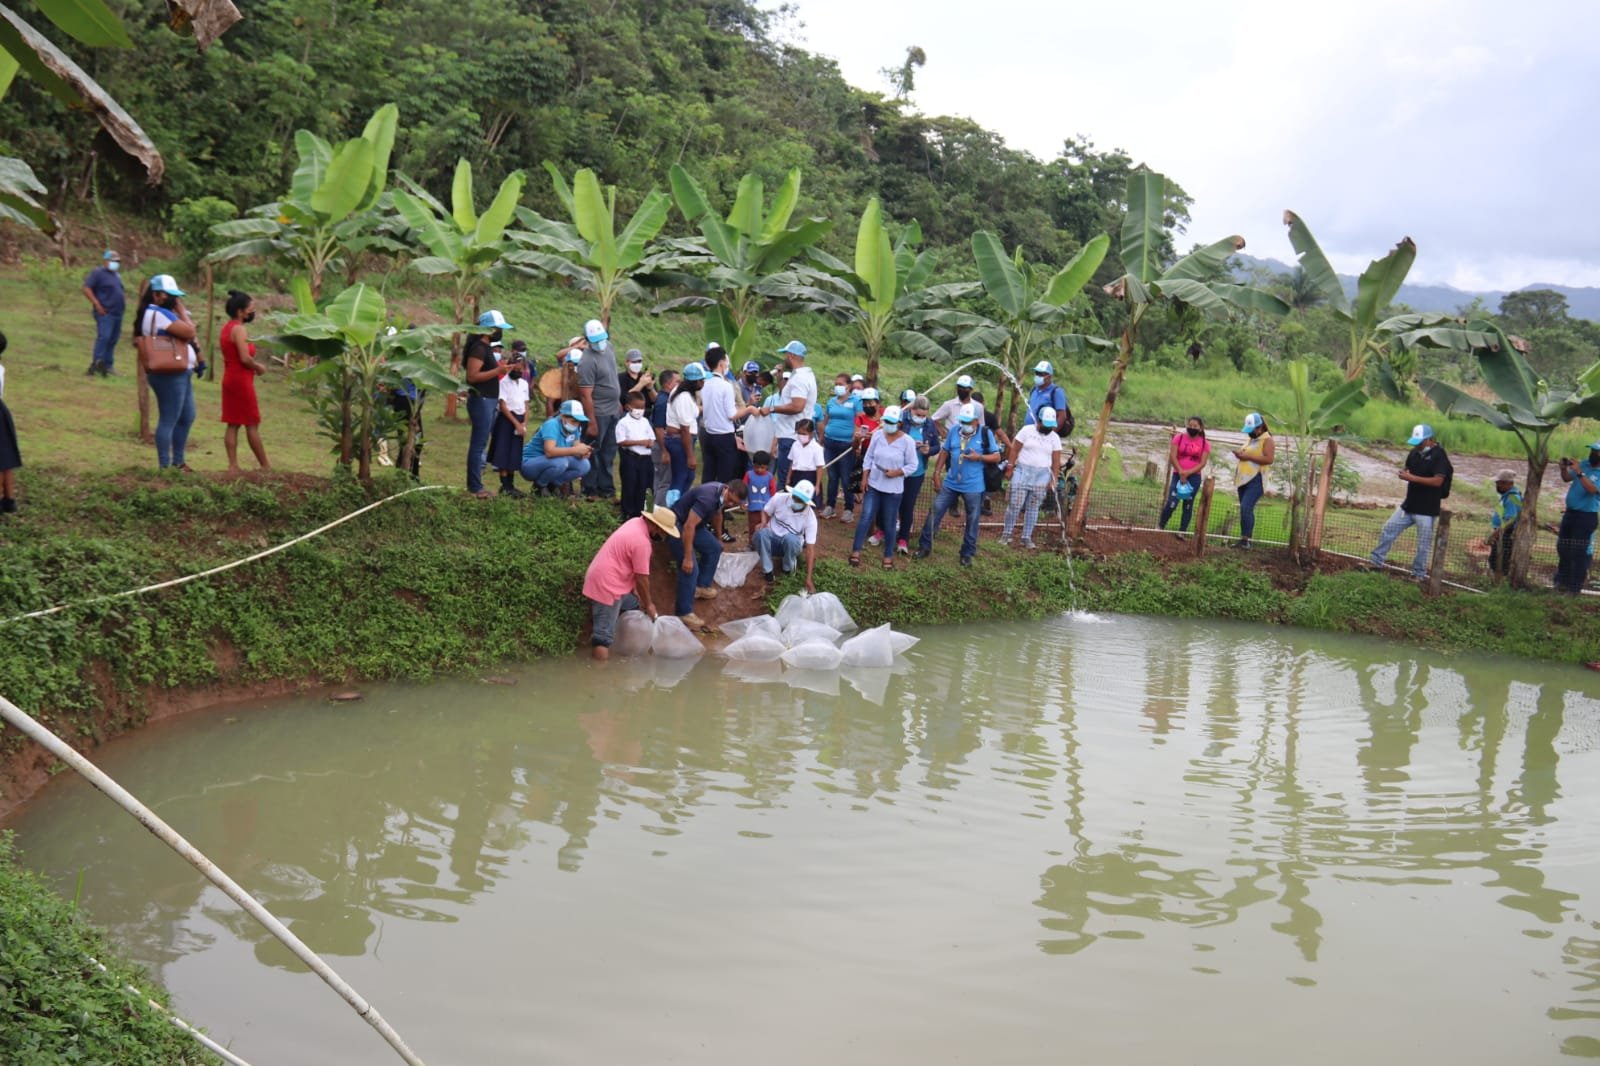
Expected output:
(1113, 840)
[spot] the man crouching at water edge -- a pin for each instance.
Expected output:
(619, 577)
(791, 528)
(698, 549)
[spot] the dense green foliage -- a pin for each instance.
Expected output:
(56, 1006)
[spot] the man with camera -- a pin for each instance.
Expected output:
(1578, 520)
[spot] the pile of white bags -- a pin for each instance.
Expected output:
(804, 635)
(666, 637)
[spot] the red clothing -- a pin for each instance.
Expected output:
(1192, 451)
(869, 423)
(239, 407)
(624, 556)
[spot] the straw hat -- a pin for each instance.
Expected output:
(663, 519)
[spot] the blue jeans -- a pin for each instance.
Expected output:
(481, 411)
(840, 473)
(548, 473)
(1249, 493)
(1188, 504)
(875, 506)
(175, 407)
(780, 459)
(941, 506)
(1397, 524)
(107, 328)
(770, 545)
(598, 480)
(707, 553)
(682, 476)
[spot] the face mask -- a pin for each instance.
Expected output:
(796, 506)
(1038, 379)
(1193, 432)
(840, 390)
(870, 408)
(113, 266)
(968, 430)
(805, 438)
(891, 428)
(636, 412)
(917, 420)
(515, 375)
(568, 427)
(598, 339)
(251, 317)
(635, 368)
(498, 334)
(965, 394)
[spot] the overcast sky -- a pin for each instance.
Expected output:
(1472, 127)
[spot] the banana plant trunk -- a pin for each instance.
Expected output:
(1092, 465)
(346, 419)
(364, 470)
(1527, 524)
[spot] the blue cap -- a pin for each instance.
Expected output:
(752, 367)
(695, 372)
(110, 254)
(1419, 433)
(1253, 421)
(165, 283)
(574, 409)
(1047, 417)
(494, 320)
(794, 348)
(1043, 367)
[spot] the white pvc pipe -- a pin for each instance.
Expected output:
(24, 722)
(209, 1044)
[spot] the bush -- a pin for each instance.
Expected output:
(191, 222)
(55, 1005)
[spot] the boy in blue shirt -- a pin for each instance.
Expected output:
(964, 455)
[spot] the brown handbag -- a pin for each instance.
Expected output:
(164, 355)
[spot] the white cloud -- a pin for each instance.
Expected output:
(1465, 125)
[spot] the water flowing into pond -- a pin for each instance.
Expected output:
(1135, 841)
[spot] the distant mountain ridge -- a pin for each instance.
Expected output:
(1581, 302)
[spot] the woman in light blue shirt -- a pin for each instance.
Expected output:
(890, 456)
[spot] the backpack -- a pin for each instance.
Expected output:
(1449, 476)
(993, 476)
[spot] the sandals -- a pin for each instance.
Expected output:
(888, 564)
(855, 559)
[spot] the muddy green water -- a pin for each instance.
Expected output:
(1133, 841)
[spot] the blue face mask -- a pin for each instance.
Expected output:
(840, 390)
(598, 339)
(1038, 379)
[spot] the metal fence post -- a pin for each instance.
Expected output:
(1441, 543)
(1202, 524)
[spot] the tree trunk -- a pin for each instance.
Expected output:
(346, 426)
(364, 470)
(1527, 529)
(1092, 464)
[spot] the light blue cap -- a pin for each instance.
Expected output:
(494, 320)
(167, 284)
(794, 348)
(110, 253)
(1047, 417)
(1043, 367)
(574, 409)
(968, 414)
(804, 491)
(694, 372)
(1252, 421)
(1419, 433)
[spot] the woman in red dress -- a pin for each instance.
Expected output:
(239, 370)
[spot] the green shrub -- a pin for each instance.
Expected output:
(191, 222)
(56, 1006)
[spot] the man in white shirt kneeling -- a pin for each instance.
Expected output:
(791, 527)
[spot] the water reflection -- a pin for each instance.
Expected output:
(1143, 781)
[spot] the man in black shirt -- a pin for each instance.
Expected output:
(697, 551)
(1427, 476)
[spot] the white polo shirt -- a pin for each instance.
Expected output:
(802, 383)
(719, 404)
(785, 521)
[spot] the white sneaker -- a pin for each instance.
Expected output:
(827, 512)
(1030, 545)
(875, 540)
(849, 516)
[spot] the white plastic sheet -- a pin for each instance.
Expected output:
(813, 655)
(734, 568)
(635, 633)
(674, 641)
(874, 647)
(755, 649)
(800, 632)
(760, 625)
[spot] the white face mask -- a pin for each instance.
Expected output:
(796, 506)
(634, 368)
(636, 412)
(805, 438)
(568, 426)
(968, 430)
(113, 266)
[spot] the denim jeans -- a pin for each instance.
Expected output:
(107, 328)
(707, 553)
(548, 473)
(876, 506)
(597, 481)
(908, 506)
(175, 407)
(605, 617)
(840, 474)
(1029, 486)
(1188, 504)
(1397, 524)
(1249, 493)
(1572, 549)
(481, 411)
(786, 549)
(941, 506)
(682, 476)
(663, 474)
(780, 459)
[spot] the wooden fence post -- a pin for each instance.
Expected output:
(1203, 516)
(1319, 507)
(1441, 544)
(211, 305)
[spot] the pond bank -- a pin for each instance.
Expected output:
(443, 584)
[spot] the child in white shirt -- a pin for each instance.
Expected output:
(805, 454)
(635, 438)
(510, 427)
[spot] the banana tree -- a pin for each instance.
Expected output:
(1370, 334)
(588, 250)
(330, 209)
(356, 349)
(1191, 282)
(1315, 418)
(1524, 405)
(737, 263)
(469, 248)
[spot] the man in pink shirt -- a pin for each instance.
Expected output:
(619, 577)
